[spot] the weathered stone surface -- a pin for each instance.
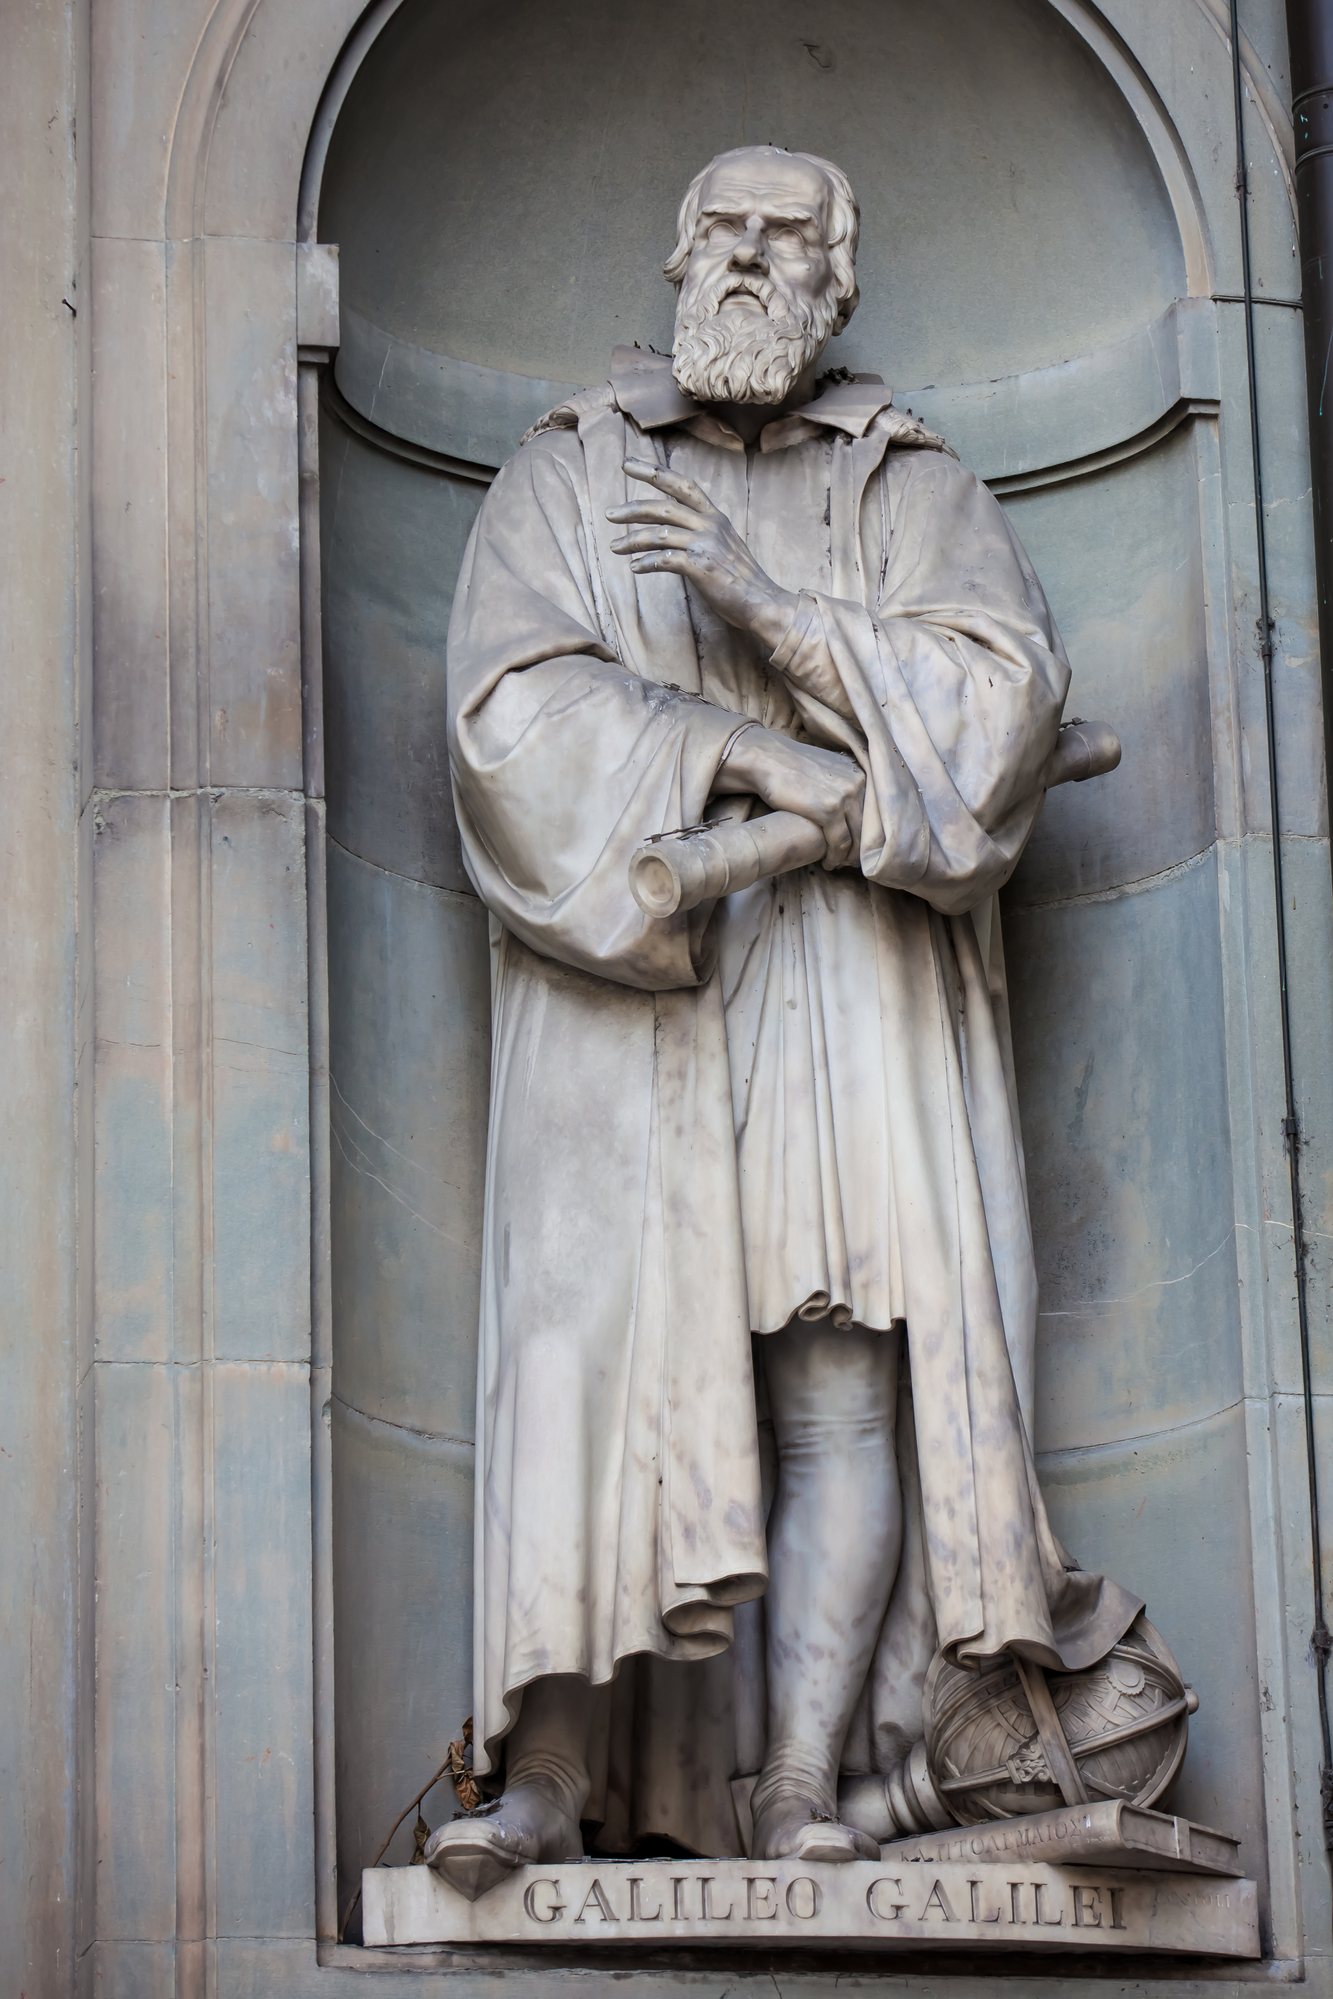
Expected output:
(393, 536)
(262, 1650)
(203, 110)
(1240, 722)
(1162, 1512)
(129, 514)
(1171, 1360)
(261, 1079)
(1127, 1141)
(317, 322)
(137, 79)
(1267, 1296)
(1028, 428)
(1119, 557)
(264, 115)
(779, 1903)
(135, 1443)
(409, 1083)
(849, 93)
(253, 627)
(43, 660)
(134, 1211)
(1301, 1896)
(129, 1970)
(402, 1553)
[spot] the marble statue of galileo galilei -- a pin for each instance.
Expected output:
(758, 1300)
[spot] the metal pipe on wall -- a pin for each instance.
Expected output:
(1310, 47)
(1310, 41)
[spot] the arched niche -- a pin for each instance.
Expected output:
(502, 182)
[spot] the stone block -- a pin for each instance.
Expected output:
(133, 1198)
(1173, 51)
(1127, 1141)
(1262, 1175)
(1285, 466)
(1310, 945)
(43, 648)
(261, 1082)
(262, 1646)
(402, 1539)
(317, 294)
(129, 513)
(253, 604)
(1120, 557)
(84, 1844)
(1034, 426)
(264, 117)
(409, 997)
(140, 59)
(321, 1145)
(129, 1970)
(136, 1552)
(1002, 1906)
(1279, 1505)
(393, 534)
(461, 409)
(1166, 1516)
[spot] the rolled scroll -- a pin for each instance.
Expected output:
(681, 870)
(1082, 750)
(678, 871)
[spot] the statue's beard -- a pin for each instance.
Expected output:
(729, 359)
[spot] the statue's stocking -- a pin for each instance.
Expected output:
(834, 1538)
(548, 1749)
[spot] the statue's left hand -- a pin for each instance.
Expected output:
(677, 527)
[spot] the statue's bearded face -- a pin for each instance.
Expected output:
(757, 298)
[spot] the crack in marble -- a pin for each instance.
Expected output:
(457, 1242)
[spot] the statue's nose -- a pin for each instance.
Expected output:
(751, 252)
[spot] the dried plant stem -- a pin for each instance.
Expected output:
(413, 1804)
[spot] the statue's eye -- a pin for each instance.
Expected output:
(787, 237)
(723, 229)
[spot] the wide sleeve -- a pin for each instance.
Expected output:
(949, 694)
(563, 760)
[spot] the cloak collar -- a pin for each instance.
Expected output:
(645, 389)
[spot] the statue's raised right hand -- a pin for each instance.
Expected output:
(822, 785)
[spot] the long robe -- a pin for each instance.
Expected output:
(801, 1103)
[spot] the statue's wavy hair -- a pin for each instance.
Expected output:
(844, 224)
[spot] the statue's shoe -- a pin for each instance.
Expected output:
(476, 1854)
(791, 1827)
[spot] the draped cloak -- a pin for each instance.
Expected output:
(798, 1103)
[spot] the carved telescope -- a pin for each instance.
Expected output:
(678, 871)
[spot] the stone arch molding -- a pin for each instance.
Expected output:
(255, 83)
(268, 79)
(1033, 428)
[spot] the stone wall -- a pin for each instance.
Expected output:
(43, 805)
(235, 1617)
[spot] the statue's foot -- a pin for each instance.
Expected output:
(792, 1826)
(475, 1854)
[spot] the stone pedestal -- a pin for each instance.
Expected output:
(871, 1905)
